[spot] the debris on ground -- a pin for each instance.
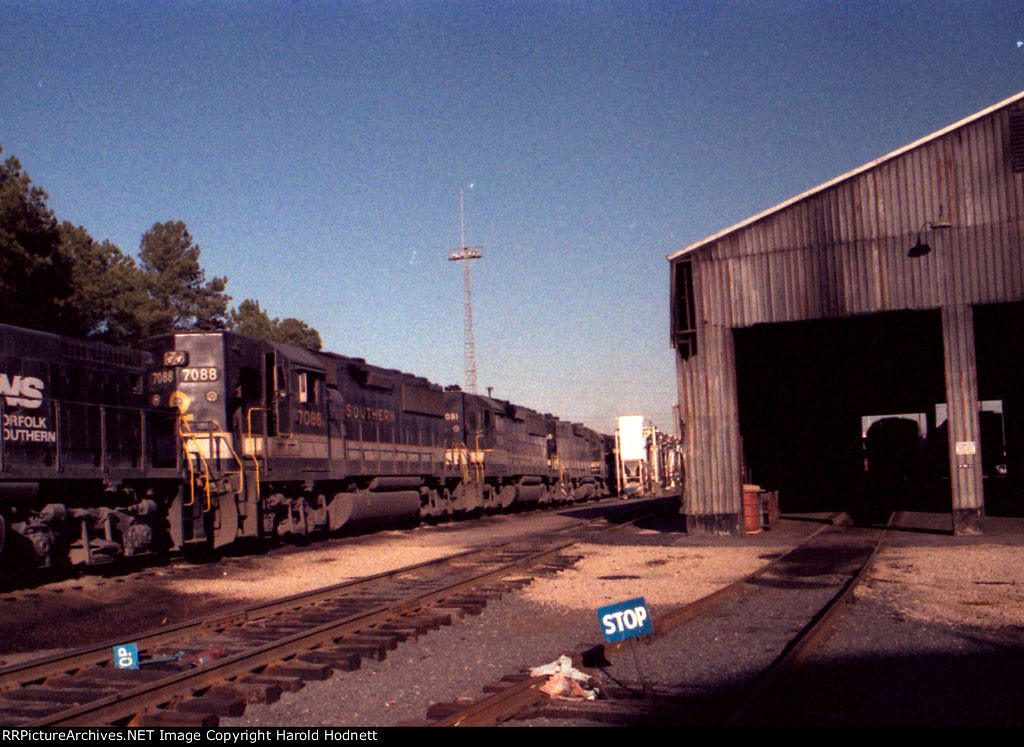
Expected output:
(565, 682)
(204, 657)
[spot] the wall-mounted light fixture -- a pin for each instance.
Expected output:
(920, 248)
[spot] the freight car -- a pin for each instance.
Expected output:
(208, 438)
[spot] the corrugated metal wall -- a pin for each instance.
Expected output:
(842, 251)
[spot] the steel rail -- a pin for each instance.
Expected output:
(59, 663)
(810, 638)
(121, 706)
(503, 705)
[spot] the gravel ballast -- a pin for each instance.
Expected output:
(934, 636)
(840, 686)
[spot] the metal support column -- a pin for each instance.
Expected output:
(713, 485)
(963, 422)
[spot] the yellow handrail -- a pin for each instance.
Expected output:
(186, 437)
(189, 436)
(222, 438)
(452, 452)
(248, 436)
(561, 475)
(191, 474)
(478, 465)
(465, 462)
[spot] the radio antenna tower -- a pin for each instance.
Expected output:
(466, 253)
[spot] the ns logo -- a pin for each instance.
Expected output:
(21, 391)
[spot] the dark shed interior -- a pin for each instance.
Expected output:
(849, 414)
(999, 345)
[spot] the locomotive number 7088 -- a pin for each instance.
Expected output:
(199, 374)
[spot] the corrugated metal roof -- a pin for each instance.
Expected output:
(849, 175)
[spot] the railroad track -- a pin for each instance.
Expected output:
(203, 669)
(826, 567)
(16, 587)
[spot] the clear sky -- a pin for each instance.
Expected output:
(316, 151)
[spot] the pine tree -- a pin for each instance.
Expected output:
(249, 319)
(176, 282)
(109, 292)
(35, 279)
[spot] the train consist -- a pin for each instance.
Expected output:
(208, 438)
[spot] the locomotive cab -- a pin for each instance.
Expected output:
(252, 412)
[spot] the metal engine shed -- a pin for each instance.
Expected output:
(814, 339)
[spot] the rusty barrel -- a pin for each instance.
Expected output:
(751, 509)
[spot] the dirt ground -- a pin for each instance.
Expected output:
(980, 585)
(927, 578)
(667, 576)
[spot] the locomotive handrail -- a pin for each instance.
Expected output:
(221, 435)
(478, 466)
(206, 467)
(103, 440)
(456, 460)
(561, 475)
(221, 438)
(248, 436)
(465, 461)
(191, 478)
(143, 465)
(58, 463)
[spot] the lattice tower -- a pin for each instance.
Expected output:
(465, 253)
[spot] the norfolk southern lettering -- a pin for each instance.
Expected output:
(24, 392)
(28, 429)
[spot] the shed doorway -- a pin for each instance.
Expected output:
(816, 397)
(999, 345)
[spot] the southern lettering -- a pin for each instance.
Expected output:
(24, 435)
(361, 412)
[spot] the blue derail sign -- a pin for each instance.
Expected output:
(126, 656)
(624, 620)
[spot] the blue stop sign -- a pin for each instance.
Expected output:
(625, 620)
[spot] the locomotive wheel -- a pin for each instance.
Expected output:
(505, 496)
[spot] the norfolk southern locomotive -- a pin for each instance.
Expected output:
(211, 437)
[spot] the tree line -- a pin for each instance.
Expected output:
(55, 277)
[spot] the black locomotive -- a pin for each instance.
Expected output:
(211, 437)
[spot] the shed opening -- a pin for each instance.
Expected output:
(834, 413)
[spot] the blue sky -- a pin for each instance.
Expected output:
(316, 151)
